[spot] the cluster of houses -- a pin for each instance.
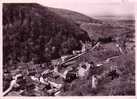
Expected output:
(59, 70)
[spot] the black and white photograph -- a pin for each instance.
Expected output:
(68, 49)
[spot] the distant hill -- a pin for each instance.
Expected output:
(75, 16)
(102, 30)
(33, 32)
(118, 17)
(109, 28)
(101, 26)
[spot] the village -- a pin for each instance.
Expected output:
(54, 75)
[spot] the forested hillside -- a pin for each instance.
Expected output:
(33, 32)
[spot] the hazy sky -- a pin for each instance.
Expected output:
(92, 8)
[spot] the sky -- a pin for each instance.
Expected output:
(93, 8)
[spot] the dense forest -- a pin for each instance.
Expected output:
(33, 32)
